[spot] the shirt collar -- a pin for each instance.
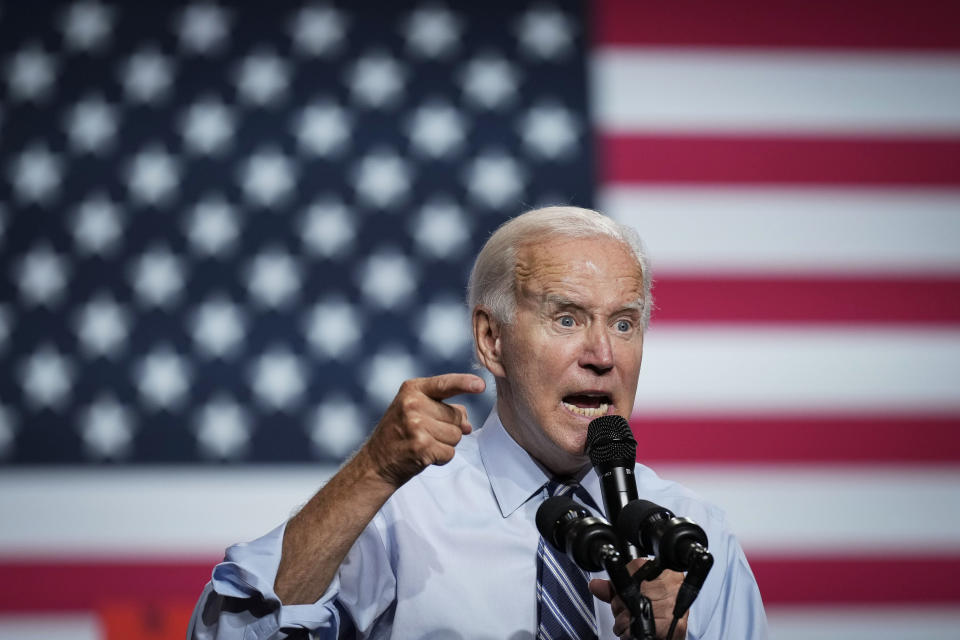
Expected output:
(513, 473)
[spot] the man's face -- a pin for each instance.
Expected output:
(574, 348)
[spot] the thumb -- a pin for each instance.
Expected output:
(602, 589)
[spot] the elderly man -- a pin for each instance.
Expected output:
(428, 531)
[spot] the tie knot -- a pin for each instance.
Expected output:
(562, 486)
(572, 488)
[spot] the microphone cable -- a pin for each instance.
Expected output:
(673, 627)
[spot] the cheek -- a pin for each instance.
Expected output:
(554, 358)
(532, 348)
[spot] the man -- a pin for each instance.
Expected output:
(428, 531)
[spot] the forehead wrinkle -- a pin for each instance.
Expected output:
(549, 301)
(539, 276)
(529, 268)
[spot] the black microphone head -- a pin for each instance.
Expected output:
(677, 542)
(640, 514)
(553, 513)
(569, 528)
(610, 442)
(637, 523)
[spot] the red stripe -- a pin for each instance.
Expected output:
(786, 23)
(40, 585)
(874, 300)
(633, 158)
(773, 439)
(852, 580)
(66, 585)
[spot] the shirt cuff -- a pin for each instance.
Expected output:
(249, 570)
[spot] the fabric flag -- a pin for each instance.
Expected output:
(228, 233)
(791, 166)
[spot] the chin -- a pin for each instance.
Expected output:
(573, 463)
(574, 445)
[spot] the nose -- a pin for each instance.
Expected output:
(597, 353)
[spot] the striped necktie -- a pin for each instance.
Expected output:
(564, 602)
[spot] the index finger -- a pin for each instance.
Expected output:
(447, 385)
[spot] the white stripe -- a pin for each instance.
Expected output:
(775, 91)
(565, 583)
(47, 626)
(137, 512)
(898, 509)
(771, 230)
(563, 490)
(558, 616)
(550, 562)
(887, 510)
(543, 633)
(749, 369)
(873, 623)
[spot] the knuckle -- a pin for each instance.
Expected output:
(443, 459)
(409, 403)
(425, 459)
(409, 387)
(420, 441)
(414, 424)
(454, 416)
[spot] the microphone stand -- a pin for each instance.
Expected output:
(642, 626)
(700, 563)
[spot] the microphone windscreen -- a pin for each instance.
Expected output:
(552, 511)
(634, 518)
(610, 441)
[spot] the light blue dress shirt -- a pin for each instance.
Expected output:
(452, 554)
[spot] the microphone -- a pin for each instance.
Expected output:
(679, 544)
(587, 540)
(592, 544)
(676, 542)
(613, 453)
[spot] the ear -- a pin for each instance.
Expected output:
(487, 341)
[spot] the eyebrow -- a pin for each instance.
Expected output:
(555, 300)
(559, 301)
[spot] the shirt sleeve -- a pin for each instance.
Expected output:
(730, 602)
(239, 602)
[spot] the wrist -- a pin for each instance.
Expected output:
(368, 471)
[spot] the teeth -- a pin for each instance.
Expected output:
(588, 412)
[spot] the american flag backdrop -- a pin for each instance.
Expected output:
(228, 231)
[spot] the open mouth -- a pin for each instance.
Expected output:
(589, 405)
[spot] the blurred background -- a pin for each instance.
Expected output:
(228, 231)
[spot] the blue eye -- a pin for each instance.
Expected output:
(566, 321)
(623, 325)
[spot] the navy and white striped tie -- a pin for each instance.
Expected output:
(564, 602)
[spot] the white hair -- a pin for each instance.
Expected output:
(493, 277)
